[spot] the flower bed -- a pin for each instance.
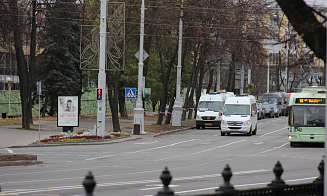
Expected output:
(82, 135)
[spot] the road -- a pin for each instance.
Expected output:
(195, 159)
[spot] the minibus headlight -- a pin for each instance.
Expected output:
(292, 137)
(247, 122)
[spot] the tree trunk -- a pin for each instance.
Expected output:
(211, 71)
(165, 81)
(188, 98)
(170, 108)
(23, 70)
(113, 89)
(122, 105)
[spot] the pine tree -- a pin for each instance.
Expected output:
(59, 64)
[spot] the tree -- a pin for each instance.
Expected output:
(18, 28)
(59, 61)
(304, 21)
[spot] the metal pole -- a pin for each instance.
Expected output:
(325, 160)
(139, 110)
(268, 75)
(177, 109)
(101, 112)
(218, 78)
(9, 86)
(39, 118)
(242, 79)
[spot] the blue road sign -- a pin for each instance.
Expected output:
(130, 93)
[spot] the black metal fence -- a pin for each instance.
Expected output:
(277, 187)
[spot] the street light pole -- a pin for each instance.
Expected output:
(101, 112)
(177, 108)
(9, 86)
(138, 110)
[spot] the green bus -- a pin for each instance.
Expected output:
(307, 116)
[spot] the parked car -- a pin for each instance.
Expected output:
(260, 111)
(277, 110)
(269, 111)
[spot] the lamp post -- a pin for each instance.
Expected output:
(8, 79)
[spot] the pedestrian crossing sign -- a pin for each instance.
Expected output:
(130, 93)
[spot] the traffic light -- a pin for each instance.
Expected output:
(99, 94)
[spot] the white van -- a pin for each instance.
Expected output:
(210, 109)
(239, 115)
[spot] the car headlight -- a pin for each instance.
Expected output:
(292, 137)
(223, 122)
(198, 117)
(246, 122)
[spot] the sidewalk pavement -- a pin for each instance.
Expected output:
(14, 136)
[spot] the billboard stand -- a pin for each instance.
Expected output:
(68, 115)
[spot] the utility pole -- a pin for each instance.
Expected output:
(177, 108)
(218, 77)
(138, 110)
(101, 112)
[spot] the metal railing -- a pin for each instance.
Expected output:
(277, 187)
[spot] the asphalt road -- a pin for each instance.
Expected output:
(195, 159)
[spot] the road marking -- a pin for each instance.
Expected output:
(271, 149)
(273, 132)
(10, 151)
(147, 142)
(218, 147)
(145, 150)
(136, 182)
(242, 185)
(258, 143)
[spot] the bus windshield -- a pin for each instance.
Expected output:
(210, 105)
(309, 116)
(236, 109)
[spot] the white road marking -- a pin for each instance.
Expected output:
(145, 150)
(147, 142)
(9, 150)
(273, 132)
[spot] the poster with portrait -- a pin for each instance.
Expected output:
(67, 111)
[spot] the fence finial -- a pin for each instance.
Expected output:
(89, 184)
(226, 186)
(166, 179)
(278, 170)
(321, 169)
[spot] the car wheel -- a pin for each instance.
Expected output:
(197, 126)
(250, 132)
(254, 132)
(222, 133)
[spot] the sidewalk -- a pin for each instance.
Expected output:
(13, 135)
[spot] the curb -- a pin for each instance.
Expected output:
(173, 131)
(101, 142)
(18, 163)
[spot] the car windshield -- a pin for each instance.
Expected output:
(236, 109)
(210, 105)
(266, 106)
